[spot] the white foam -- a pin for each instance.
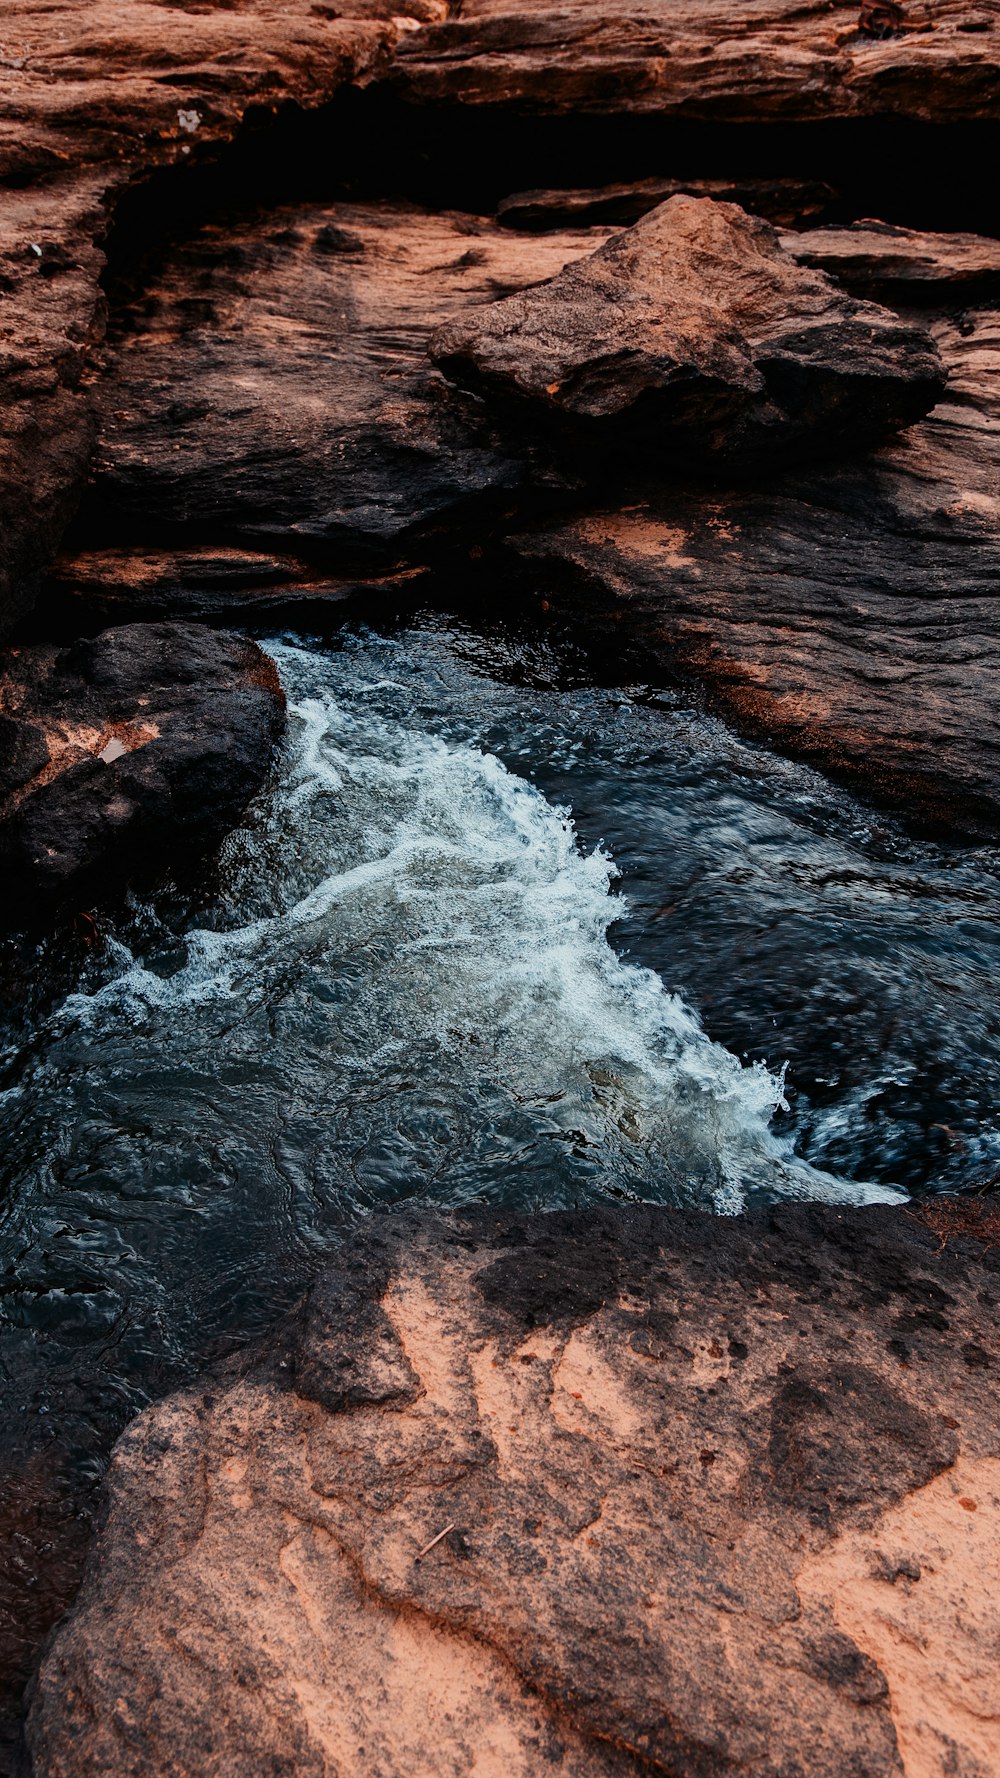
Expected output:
(456, 905)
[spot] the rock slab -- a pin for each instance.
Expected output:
(694, 330)
(125, 751)
(613, 1492)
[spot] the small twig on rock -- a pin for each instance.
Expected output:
(429, 1546)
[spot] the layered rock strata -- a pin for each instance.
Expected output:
(620, 1492)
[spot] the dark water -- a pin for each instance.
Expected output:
(404, 987)
(418, 974)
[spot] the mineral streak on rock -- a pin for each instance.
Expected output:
(716, 1497)
(695, 331)
(125, 752)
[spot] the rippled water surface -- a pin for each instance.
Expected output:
(488, 941)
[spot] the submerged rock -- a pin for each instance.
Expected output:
(694, 330)
(130, 750)
(617, 1491)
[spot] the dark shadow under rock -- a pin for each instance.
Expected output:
(155, 736)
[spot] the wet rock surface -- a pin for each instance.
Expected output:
(847, 614)
(126, 751)
(754, 1463)
(694, 331)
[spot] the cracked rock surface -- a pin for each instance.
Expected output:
(623, 1492)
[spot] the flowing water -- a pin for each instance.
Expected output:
(486, 941)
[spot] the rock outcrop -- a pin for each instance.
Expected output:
(124, 752)
(92, 98)
(904, 264)
(273, 390)
(621, 1492)
(848, 615)
(743, 62)
(694, 332)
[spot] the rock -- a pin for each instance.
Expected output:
(849, 615)
(616, 1491)
(276, 396)
(902, 264)
(94, 95)
(155, 736)
(694, 332)
(744, 62)
(789, 203)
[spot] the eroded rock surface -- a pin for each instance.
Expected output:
(847, 614)
(623, 1492)
(276, 393)
(121, 752)
(905, 263)
(742, 62)
(694, 330)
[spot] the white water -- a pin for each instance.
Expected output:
(402, 904)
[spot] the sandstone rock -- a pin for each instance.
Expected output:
(789, 203)
(148, 741)
(92, 97)
(902, 263)
(743, 62)
(694, 331)
(848, 615)
(617, 1491)
(274, 395)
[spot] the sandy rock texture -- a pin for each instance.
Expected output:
(125, 751)
(747, 61)
(904, 263)
(693, 331)
(623, 1492)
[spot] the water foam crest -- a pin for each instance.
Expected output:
(449, 911)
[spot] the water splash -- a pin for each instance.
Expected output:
(405, 906)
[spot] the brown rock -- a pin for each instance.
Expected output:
(848, 615)
(93, 96)
(147, 743)
(622, 1492)
(789, 203)
(742, 62)
(695, 331)
(906, 264)
(275, 394)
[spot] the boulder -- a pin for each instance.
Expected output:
(131, 749)
(694, 331)
(847, 614)
(612, 1492)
